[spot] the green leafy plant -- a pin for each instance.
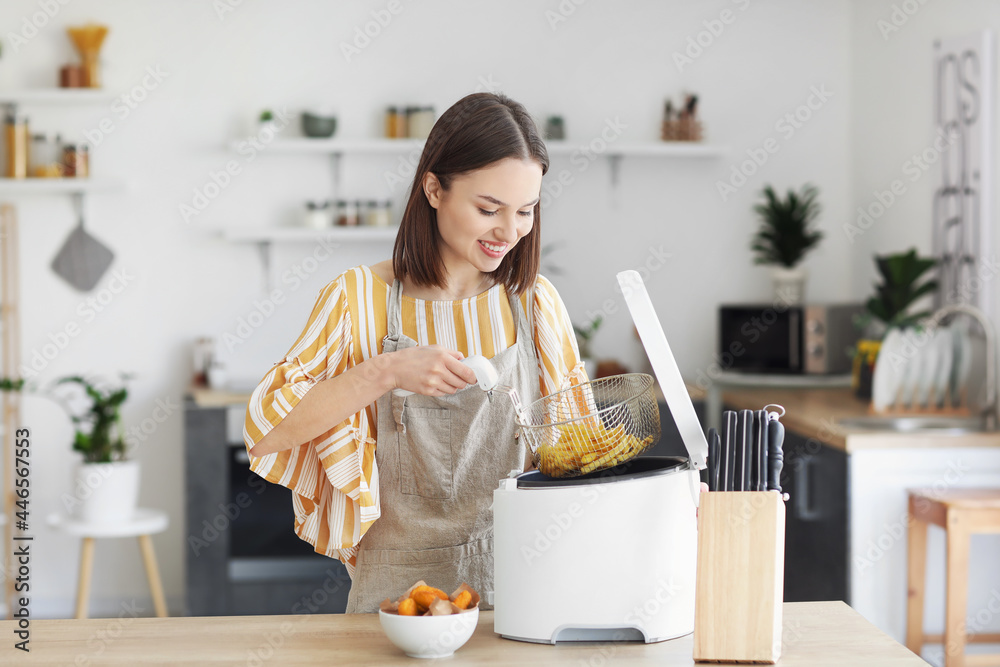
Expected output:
(585, 335)
(8, 384)
(900, 288)
(98, 429)
(785, 234)
(266, 115)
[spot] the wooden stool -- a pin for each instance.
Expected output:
(962, 513)
(144, 523)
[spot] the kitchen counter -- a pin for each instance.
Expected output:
(813, 413)
(815, 634)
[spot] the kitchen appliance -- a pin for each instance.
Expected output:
(776, 338)
(611, 555)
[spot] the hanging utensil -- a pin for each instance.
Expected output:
(82, 259)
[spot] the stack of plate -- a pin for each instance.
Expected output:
(925, 369)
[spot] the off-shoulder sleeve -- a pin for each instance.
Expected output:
(333, 477)
(559, 364)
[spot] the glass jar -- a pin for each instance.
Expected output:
(44, 157)
(70, 160)
(420, 120)
(16, 142)
(317, 214)
(382, 215)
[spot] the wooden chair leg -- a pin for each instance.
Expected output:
(957, 593)
(916, 572)
(153, 574)
(83, 585)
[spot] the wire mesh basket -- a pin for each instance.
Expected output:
(592, 426)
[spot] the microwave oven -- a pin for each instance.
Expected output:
(810, 339)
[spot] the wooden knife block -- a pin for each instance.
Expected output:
(740, 578)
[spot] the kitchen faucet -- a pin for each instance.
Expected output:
(990, 410)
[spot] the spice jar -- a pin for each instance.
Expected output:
(44, 157)
(390, 122)
(420, 120)
(381, 214)
(317, 214)
(69, 160)
(16, 140)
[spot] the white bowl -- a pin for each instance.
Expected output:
(429, 636)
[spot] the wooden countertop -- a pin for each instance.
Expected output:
(814, 413)
(815, 634)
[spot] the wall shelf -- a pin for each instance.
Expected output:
(678, 149)
(358, 234)
(57, 186)
(55, 96)
(266, 237)
(614, 151)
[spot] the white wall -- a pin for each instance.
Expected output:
(892, 119)
(606, 61)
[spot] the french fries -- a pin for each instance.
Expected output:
(585, 446)
(424, 600)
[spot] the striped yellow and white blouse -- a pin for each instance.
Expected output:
(334, 478)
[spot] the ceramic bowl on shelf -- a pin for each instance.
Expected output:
(429, 636)
(318, 126)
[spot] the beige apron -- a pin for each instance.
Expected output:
(439, 460)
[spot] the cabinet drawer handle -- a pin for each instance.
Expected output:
(803, 509)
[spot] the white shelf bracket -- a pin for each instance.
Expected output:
(615, 164)
(335, 159)
(266, 251)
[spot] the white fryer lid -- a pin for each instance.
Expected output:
(664, 366)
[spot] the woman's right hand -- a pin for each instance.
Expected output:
(431, 370)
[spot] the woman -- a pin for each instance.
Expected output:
(400, 488)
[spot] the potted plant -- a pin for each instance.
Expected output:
(890, 307)
(267, 123)
(106, 482)
(784, 237)
(584, 337)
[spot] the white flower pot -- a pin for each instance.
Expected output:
(106, 492)
(789, 284)
(590, 366)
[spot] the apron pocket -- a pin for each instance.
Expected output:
(425, 461)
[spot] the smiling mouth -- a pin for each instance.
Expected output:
(493, 249)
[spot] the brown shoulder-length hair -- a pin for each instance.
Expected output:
(475, 132)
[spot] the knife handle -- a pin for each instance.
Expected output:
(775, 456)
(713, 459)
(759, 477)
(728, 475)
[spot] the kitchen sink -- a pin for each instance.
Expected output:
(916, 424)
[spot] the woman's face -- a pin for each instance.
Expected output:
(484, 213)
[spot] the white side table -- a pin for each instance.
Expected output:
(144, 523)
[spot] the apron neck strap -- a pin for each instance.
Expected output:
(394, 314)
